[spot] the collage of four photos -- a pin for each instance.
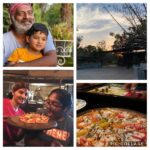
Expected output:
(74, 75)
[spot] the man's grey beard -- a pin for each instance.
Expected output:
(21, 28)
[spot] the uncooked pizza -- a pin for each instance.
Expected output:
(111, 127)
(110, 90)
(33, 118)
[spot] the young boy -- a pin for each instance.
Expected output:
(36, 38)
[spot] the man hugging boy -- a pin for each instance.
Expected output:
(36, 38)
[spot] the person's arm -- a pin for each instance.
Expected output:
(56, 143)
(11, 63)
(49, 59)
(20, 134)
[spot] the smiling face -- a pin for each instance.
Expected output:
(23, 18)
(55, 107)
(19, 96)
(37, 41)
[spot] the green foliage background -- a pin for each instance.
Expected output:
(51, 16)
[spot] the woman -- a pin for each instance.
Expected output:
(12, 134)
(58, 104)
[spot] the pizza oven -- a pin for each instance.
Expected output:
(97, 100)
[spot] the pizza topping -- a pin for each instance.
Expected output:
(111, 127)
(34, 118)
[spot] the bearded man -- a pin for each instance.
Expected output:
(22, 18)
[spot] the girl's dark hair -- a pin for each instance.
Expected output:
(20, 85)
(10, 95)
(37, 27)
(63, 96)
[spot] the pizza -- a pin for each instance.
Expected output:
(110, 90)
(33, 118)
(111, 127)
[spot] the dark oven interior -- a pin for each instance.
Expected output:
(100, 101)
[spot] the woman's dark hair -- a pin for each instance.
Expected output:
(20, 85)
(63, 96)
(10, 95)
(37, 27)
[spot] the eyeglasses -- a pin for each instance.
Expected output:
(54, 103)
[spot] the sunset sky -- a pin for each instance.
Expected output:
(94, 23)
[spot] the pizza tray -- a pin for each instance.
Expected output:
(80, 104)
(15, 121)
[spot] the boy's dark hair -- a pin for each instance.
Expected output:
(63, 96)
(37, 27)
